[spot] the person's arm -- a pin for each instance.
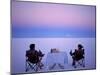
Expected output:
(40, 53)
(83, 52)
(27, 54)
(71, 53)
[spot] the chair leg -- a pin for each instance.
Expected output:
(51, 67)
(26, 67)
(75, 66)
(83, 61)
(35, 67)
(40, 65)
(74, 63)
(26, 70)
(61, 66)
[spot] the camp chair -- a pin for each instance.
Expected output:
(80, 62)
(34, 62)
(78, 58)
(31, 66)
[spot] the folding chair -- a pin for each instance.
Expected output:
(80, 62)
(31, 66)
(78, 58)
(34, 63)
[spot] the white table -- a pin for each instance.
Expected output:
(54, 59)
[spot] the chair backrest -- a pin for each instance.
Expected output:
(32, 56)
(79, 54)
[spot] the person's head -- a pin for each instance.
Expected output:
(51, 50)
(75, 49)
(32, 46)
(80, 46)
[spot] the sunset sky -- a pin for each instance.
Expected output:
(33, 19)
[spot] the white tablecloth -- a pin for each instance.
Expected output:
(58, 58)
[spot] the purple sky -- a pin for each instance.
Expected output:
(32, 14)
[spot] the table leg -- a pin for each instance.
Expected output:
(61, 66)
(52, 66)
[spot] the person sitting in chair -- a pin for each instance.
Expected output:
(77, 54)
(34, 56)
